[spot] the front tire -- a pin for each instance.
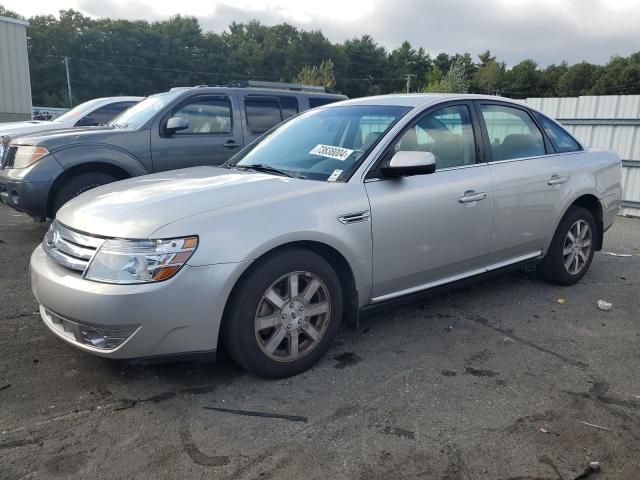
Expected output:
(78, 184)
(571, 250)
(284, 315)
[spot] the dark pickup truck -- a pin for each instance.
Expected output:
(183, 127)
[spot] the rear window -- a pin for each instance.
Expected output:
(562, 142)
(262, 114)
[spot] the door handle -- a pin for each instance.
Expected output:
(557, 180)
(230, 144)
(471, 196)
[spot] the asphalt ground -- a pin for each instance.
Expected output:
(511, 378)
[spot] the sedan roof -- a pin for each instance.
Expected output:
(421, 99)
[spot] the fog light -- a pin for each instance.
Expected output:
(105, 339)
(93, 336)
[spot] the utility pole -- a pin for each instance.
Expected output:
(409, 76)
(66, 66)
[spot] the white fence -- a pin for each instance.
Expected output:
(611, 122)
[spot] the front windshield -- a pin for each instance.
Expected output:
(321, 144)
(142, 112)
(79, 111)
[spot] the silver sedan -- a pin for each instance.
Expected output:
(340, 209)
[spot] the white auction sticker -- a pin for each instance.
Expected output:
(334, 176)
(337, 153)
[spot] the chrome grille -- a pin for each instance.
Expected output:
(69, 248)
(9, 156)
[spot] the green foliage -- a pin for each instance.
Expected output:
(317, 75)
(123, 57)
(4, 12)
(455, 81)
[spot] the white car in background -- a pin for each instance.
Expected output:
(94, 112)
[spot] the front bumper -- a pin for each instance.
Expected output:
(180, 315)
(27, 197)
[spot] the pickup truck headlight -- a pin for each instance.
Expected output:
(28, 155)
(140, 261)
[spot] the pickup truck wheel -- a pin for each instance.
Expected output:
(79, 184)
(284, 315)
(571, 250)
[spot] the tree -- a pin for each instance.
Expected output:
(523, 80)
(455, 81)
(115, 57)
(578, 80)
(322, 75)
(4, 12)
(489, 76)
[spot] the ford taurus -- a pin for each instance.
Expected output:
(339, 209)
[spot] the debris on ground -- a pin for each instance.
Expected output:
(613, 254)
(4, 387)
(604, 305)
(599, 427)
(544, 430)
(592, 469)
(249, 413)
(561, 301)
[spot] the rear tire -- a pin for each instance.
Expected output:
(571, 250)
(78, 184)
(284, 315)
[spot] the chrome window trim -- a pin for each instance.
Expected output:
(520, 159)
(454, 278)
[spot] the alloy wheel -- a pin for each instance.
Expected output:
(292, 316)
(577, 247)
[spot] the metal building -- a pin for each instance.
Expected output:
(15, 85)
(608, 121)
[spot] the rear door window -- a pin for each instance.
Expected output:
(262, 113)
(289, 106)
(512, 133)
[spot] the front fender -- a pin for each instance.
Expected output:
(244, 232)
(76, 155)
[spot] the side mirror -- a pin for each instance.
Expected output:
(404, 164)
(176, 123)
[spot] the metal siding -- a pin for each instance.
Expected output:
(15, 87)
(604, 132)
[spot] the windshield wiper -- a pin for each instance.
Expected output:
(263, 167)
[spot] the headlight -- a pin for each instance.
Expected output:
(27, 155)
(140, 261)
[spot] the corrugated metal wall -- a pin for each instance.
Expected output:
(15, 85)
(612, 122)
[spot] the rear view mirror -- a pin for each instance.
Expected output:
(176, 123)
(404, 164)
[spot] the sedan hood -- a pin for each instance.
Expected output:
(15, 129)
(137, 207)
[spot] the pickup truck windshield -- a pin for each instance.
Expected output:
(321, 144)
(142, 112)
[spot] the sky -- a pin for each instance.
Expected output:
(547, 31)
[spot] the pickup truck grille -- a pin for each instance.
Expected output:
(69, 248)
(7, 156)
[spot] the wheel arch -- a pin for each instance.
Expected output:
(336, 259)
(89, 167)
(590, 202)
